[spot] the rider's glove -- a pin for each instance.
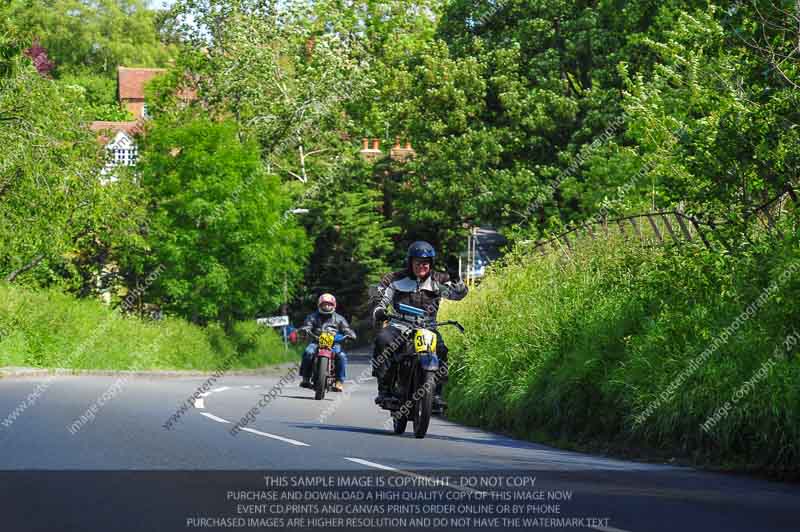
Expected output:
(339, 337)
(452, 269)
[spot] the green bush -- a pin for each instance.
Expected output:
(577, 349)
(49, 329)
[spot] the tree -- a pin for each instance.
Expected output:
(352, 240)
(280, 69)
(92, 37)
(51, 197)
(216, 223)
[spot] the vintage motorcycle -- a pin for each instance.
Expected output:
(414, 381)
(323, 367)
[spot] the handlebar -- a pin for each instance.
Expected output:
(427, 323)
(338, 337)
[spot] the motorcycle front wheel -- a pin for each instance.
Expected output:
(424, 406)
(322, 378)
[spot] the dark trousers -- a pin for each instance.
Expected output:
(390, 343)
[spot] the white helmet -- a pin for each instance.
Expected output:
(326, 304)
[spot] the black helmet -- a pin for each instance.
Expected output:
(420, 250)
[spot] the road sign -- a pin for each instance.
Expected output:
(274, 321)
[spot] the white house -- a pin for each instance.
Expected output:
(119, 137)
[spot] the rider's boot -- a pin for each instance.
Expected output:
(384, 392)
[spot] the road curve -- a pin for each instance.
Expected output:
(120, 469)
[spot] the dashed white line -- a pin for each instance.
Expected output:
(274, 437)
(215, 418)
(372, 464)
(199, 403)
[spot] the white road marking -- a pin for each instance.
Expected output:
(214, 390)
(431, 481)
(274, 437)
(199, 403)
(215, 418)
(372, 464)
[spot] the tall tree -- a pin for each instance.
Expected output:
(92, 37)
(51, 197)
(217, 223)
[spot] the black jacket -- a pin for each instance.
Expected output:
(400, 287)
(316, 322)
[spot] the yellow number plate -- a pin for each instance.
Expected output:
(425, 340)
(326, 340)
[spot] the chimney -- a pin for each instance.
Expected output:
(401, 154)
(371, 154)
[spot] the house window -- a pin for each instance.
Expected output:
(124, 155)
(122, 151)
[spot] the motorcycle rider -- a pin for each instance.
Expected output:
(418, 286)
(326, 319)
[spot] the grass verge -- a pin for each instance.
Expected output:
(645, 352)
(50, 329)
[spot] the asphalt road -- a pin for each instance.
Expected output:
(121, 469)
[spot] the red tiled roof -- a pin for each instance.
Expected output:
(132, 80)
(104, 128)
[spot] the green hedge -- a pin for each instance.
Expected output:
(610, 349)
(49, 329)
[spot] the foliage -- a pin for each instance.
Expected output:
(575, 350)
(99, 96)
(48, 178)
(352, 242)
(216, 223)
(48, 329)
(279, 69)
(528, 114)
(93, 37)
